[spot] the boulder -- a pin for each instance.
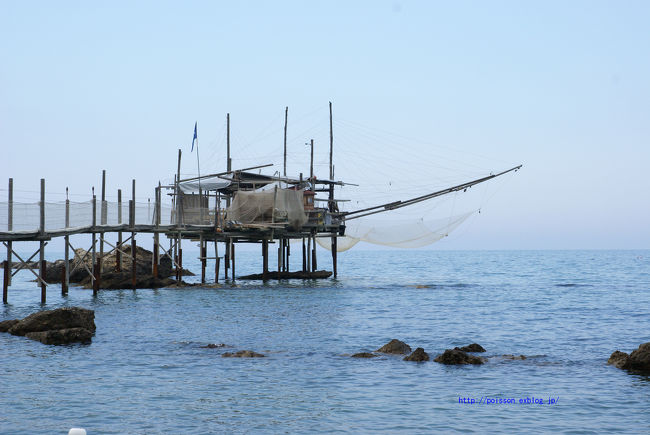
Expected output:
(396, 347)
(243, 354)
(618, 359)
(418, 355)
(5, 325)
(456, 356)
(61, 336)
(123, 280)
(61, 318)
(637, 361)
(474, 347)
(364, 355)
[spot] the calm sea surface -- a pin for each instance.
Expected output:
(146, 372)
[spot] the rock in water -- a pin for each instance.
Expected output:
(640, 358)
(395, 346)
(61, 318)
(60, 326)
(456, 356)
(418, 355)
(618, 359)
(5, 325)
(62, 336)
(474, 347)
(364, 355)
(243, 354)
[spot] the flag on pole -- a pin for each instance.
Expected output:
(194, 138)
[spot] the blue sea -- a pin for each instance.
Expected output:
(146, 371)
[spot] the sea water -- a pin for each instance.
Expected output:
(147, 371)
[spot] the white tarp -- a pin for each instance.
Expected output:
(211, 184)
(266, 206)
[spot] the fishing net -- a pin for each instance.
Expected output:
(397, 234)
(266, 206)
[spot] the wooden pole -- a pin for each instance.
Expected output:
(265, 259)
(94, 256)
(216, 262)
(334, 254)
(10, 224)
(279, 256)
(226, 260)
(228, 160)
(180, 262)
(203, 253)
(304, 256)
(42, 244)
(314, 266)
(331, 145)
(118, 252)
(156, 235)
(5, 282)
(232, 256)
(179, 208)
(288, 252)
(104, 217)
(286, 117)
(133, 241)
(311, 162)
(309, 263)
(65, 279)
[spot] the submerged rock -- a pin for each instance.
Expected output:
(418, 355)
(60, 326)
(62, 336)
(5, 325)
(456, 356)
(364, 355)
(396, 347)
(213, 346)
(514, 357)
(243, 354)
(474, 347)
(637, 361)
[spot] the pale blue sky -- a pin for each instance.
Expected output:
(432, 91)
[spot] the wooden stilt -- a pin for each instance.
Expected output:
(134, 277)
(203, 255)
(180, 264)
(334, 254)
(309, 263)
(65, 279)
(288, 249)
(216, 262)
(304, 256)
(232, 257)
(265, 259)
(226, 258)
(10, 223)
(5, 282)
(93, 261)
(42, 243)
(279, 257)
(118, 251)
(314, 265)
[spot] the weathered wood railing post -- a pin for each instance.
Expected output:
(42, 244)
(10, 224)
(118, 251)
(94, 249)
(65, 279)
(133, 242)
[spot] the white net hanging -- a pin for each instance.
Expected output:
(396, 234)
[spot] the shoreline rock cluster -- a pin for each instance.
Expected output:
(60, 326)
(638, 361)
(456, 356)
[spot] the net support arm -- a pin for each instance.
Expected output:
(399, 204)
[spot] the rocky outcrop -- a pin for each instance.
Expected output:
(123, 280)
(514, 357)
(395, 347)
(418, 355)
(457, 357)
(62, 336)
(213, 346)
(243, 354)
(474, 347)
(82, 263)
(364, 355)
(637, 361)
(60, 326)
(6, 325)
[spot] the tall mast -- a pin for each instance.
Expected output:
(331, 145)
(228, 161)
(311, 162)
(286, 115)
